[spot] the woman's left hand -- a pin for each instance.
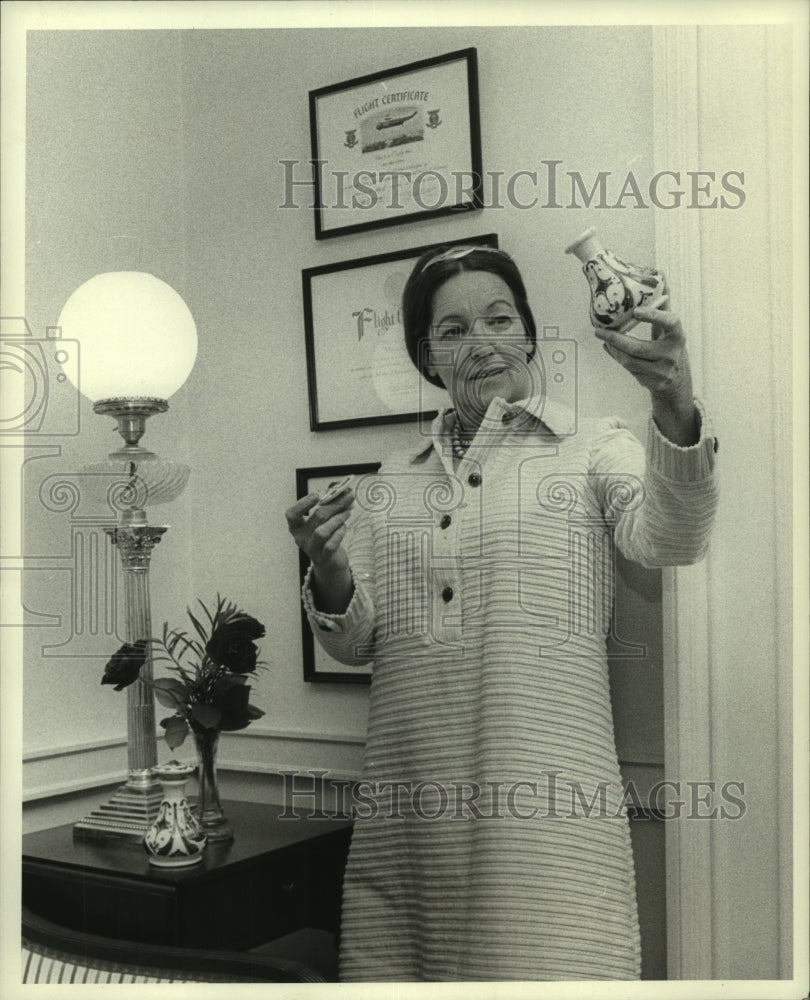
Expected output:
(662, 366)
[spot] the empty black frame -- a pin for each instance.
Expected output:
(319, 667)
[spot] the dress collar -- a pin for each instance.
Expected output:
(556, 417)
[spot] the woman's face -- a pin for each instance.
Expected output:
(478, 343)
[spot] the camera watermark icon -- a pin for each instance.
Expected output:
(549, 375)
(550, 554)
(71, 589)
(412, 510)
(577, 552)
(557, 357)
(40, 378)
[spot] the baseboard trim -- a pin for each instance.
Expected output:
(97, 781)
(279, 770)
(48, 753)
(98, 764)
(50, 772)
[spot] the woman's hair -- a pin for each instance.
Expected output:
(431, 271)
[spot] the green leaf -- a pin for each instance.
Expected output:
(227, 681)
(207, 715)
(175, 637)
(187, 677)
(207, 612)
(176, 731)
(170, 692)
(189, 644)
(200, 630)
(171, 641)
(170, 684)
(224, 611)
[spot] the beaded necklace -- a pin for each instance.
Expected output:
(460, 442)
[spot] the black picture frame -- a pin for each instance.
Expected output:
(351, 384)
(319, 667)
(420, 133)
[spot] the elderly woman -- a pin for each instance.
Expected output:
(476, 571)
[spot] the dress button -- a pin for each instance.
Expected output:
(475, 479)
(445, 521)
(447, 594)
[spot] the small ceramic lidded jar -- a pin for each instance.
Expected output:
(617, 288)
(175, 838)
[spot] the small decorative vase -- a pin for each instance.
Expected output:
(175, 838)
(213, 821)
(617, 288)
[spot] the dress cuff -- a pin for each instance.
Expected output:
(327, 622)
(683, 464)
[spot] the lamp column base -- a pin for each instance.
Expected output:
(128, 814)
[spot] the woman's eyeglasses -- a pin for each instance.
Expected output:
(456, 253)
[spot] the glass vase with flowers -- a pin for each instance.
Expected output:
(209, 691)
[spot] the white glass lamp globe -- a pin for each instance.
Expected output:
(136, 336)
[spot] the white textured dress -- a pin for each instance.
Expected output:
(491, 841)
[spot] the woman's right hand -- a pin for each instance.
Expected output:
(319, 530)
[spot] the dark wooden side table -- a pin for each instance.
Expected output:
(276, 877)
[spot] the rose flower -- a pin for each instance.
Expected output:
(125, 665)
(232, 646)
(209, 689)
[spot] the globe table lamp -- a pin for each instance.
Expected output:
(137, 346)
